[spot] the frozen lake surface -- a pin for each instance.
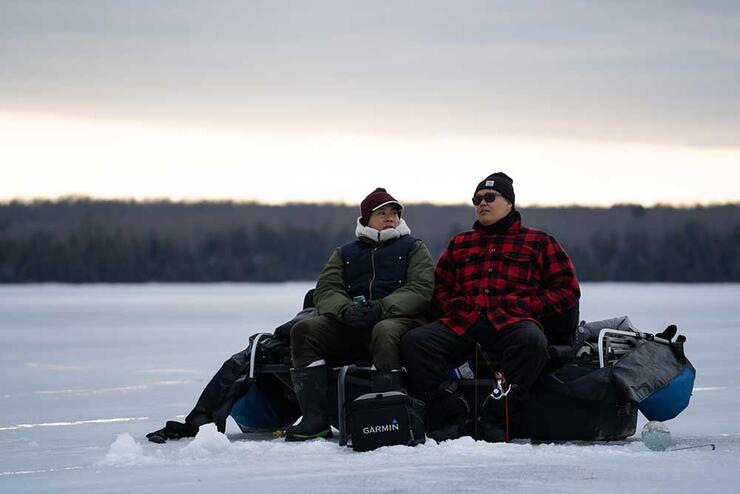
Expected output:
(87, 371)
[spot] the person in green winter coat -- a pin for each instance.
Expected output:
(370, 292)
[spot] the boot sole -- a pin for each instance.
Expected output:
(307, 437)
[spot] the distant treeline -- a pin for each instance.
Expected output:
(81, 240)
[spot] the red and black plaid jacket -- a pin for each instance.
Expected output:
(519, 274)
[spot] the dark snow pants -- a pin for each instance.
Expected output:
(323, 337)
(429, 350)
(219, 395)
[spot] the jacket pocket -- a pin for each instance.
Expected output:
(517, 270)
(470, 258)
(468, 269)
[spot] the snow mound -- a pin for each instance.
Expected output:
(209, 442)
(125, 452)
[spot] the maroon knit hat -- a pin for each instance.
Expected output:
(376, 200)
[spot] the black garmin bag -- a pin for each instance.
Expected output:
(386, 419)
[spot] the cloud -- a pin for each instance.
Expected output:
(661, 73)
(55, 367)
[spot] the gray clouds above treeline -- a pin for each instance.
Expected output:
(661, 72)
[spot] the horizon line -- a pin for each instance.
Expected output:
(5, 201)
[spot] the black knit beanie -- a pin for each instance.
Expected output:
(501, 183)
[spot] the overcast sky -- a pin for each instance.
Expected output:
(587, 102)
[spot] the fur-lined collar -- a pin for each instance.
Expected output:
(380, 236)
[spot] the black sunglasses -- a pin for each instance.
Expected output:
(488, 197)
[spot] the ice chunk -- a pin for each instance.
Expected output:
(125, 451)
(656, 436)
(207, 443)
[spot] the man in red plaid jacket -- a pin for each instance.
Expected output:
(494, 286)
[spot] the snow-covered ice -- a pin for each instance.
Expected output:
(87, 371)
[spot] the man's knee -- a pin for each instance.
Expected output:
(526, 342)
(299, 331)
(422, 343)
(384, 343)
(388, 332)
(304, 346)
(532, 338)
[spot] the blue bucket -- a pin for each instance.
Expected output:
(670, 400)
(253, 412)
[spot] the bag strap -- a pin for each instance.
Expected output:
(253, 353)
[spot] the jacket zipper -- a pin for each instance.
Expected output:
(372, 263)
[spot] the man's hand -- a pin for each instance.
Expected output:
(363, 317)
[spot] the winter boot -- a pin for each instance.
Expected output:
(309, 384)
(385, 380)
(448, 415)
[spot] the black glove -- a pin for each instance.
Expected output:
(363, 317)
(172, 430)
(668, 333)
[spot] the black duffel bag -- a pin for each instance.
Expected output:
(576, 402)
